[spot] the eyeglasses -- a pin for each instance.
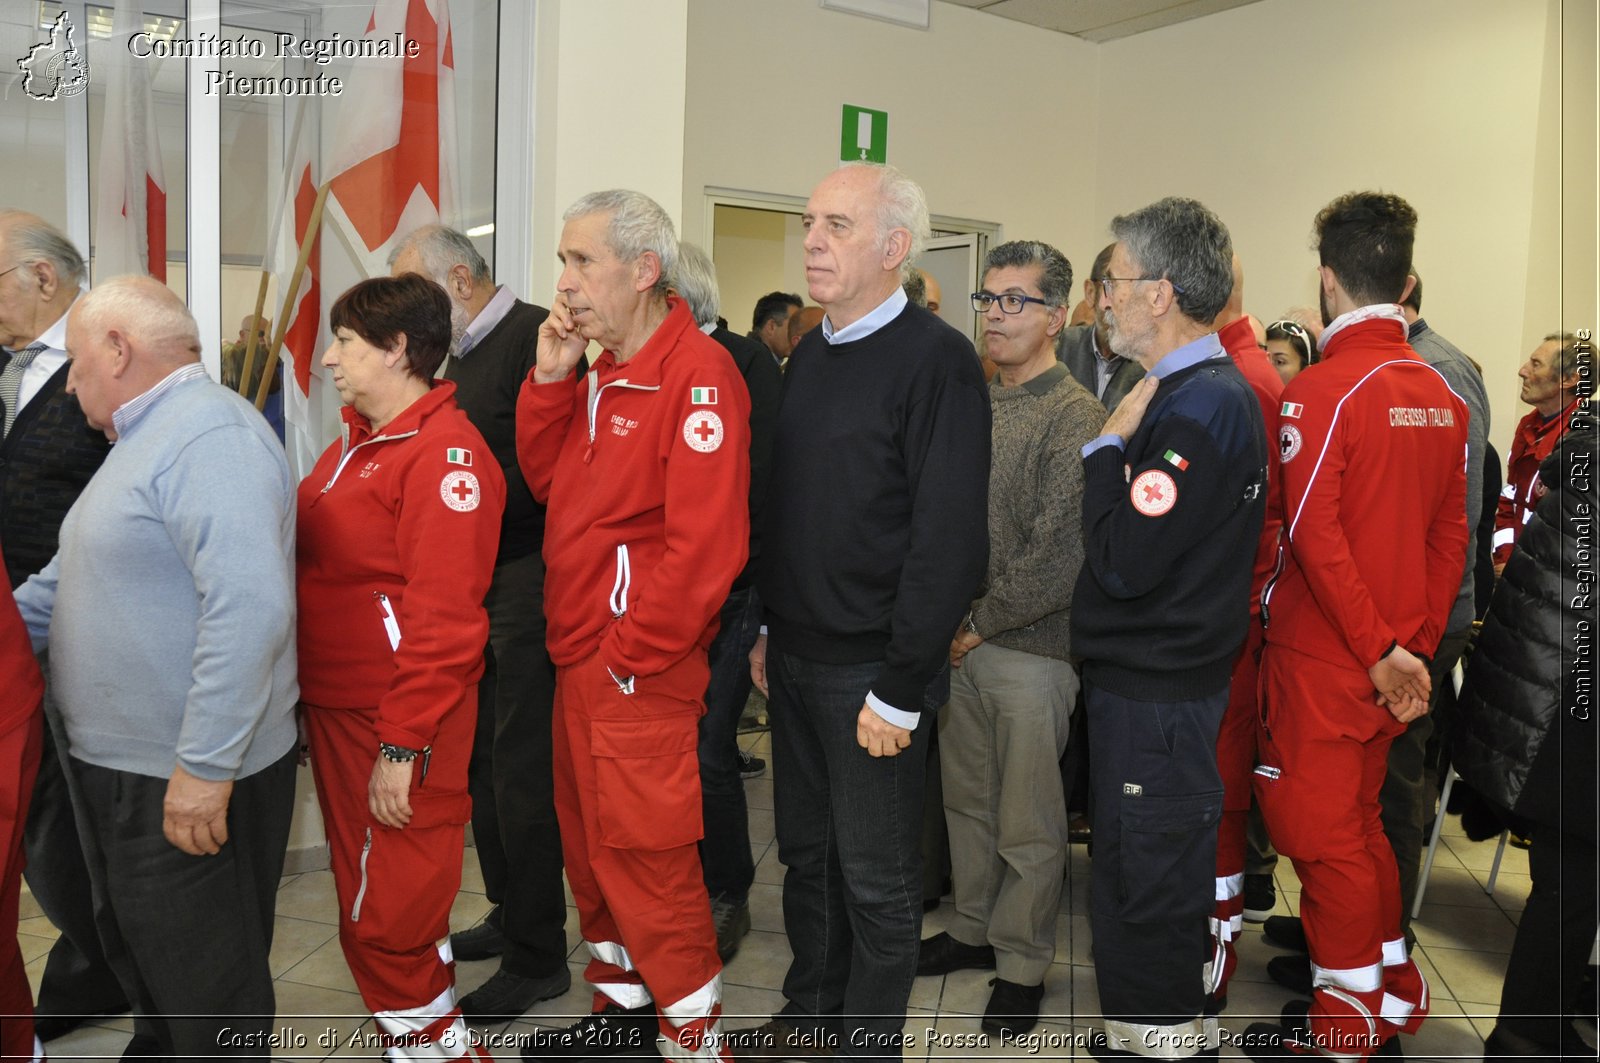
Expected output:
(1108, 281)
(1010, 302)
(13, 269)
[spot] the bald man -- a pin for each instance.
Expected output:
(174, 587)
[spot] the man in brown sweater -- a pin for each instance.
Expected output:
(1013, 690)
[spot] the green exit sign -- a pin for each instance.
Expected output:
(864, 135)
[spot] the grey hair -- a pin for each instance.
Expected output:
(441, 249)
(916, 287)
(1055, 279)
(148, 312)
(1572, 357)
(1181, 241)
(33, 240)
(901, 205)
(637, 224)
(695, 279)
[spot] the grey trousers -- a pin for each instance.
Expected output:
(1001, 740)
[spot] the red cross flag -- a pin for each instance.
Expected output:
(130, 229)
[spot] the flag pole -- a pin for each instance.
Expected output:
(313, 225)
(255, 331)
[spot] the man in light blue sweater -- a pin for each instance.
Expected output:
(169, 615)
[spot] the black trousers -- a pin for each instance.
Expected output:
(1156, 797)
(511, 773)
(189, 935)
(77, 980)
(1553, 938)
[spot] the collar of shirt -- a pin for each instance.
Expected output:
(1384, 311)
(1192, 353)
(860, 329)
(493, 312)
(128, 414)
(708, 329)
(1417, 328)
(47, 362)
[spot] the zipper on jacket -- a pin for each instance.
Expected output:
(349, 452)
(366, 851)
(595, 388)
(391, 623)
(619, 588)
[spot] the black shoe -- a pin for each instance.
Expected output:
(1286, 932)
(1013, 1009)
(732, 922)
(1260, 898)
(774, 1040)
(506, 996)
(942, 954)
(610, 1033)
(1292, 972)
(483, 942)
(751, 767)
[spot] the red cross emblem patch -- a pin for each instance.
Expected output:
(703, 431)
(459, 489)
(1153, 493)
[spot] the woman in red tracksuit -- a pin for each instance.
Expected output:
(398, 527)
(21, 742)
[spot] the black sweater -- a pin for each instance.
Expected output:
(45, 462)
(1163, 600)
(488, 380)
(875, 536)
(764, 380)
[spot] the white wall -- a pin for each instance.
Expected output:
(1268, 111)
(767, 81)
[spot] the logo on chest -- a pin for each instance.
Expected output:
(621, 426)
(368, 469)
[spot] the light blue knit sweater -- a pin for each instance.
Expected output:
(170, 605)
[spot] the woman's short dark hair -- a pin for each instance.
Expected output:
(382, 309)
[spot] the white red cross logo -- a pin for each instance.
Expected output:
(703, 431)
(459, 489)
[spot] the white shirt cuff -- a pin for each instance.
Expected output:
(898, 717)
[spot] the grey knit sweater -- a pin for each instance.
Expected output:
(1035, 503)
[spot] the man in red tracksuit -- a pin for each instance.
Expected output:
(21, 740)
(644, 465)
(1550, 385)
(1373, 450)
(1236, 740)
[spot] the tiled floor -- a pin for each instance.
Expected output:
(1464, 936)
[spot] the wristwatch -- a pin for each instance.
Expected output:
(968, 624)
(398, 754)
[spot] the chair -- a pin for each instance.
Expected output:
(1456, 676)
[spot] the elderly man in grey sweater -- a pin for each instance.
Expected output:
(1013, 690)
(169, 615)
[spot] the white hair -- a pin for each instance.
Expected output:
(637, 224)
(901, 205)
(695, 279)
(441, 249)
(146, 311)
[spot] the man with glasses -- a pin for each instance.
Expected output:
(1174, 496)
(1086, 349)
(1013, 688)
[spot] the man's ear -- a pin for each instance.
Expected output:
(896, 246)
(647, 271)
(122, 352)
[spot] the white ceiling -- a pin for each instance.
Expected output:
(1101, 20)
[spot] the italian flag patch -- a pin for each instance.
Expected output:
(703, 396)
(1174, 458)
(458, 456)
(1293, 409)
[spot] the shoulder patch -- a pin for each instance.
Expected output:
(458, 456)
(1293, 409)
(703, 396)
(1153, 493)
(703, 431)
(459, 489)
(1289, 442)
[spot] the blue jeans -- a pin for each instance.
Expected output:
(848, 827)
(725, 849)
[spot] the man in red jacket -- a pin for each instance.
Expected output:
(1373, 449)
(1550, 385)
(645, 467)
(21, 739)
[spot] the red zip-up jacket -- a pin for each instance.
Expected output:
(1373, 447)
(1239, 340)
(645, 468)
(24, 686)
(397, 539)
(1534, 441)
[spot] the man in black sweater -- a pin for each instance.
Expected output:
(1174, 496)
(725, 849)
(47, 456)
(494, 338)
(874, 542)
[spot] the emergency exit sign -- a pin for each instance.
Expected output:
(864, 135)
